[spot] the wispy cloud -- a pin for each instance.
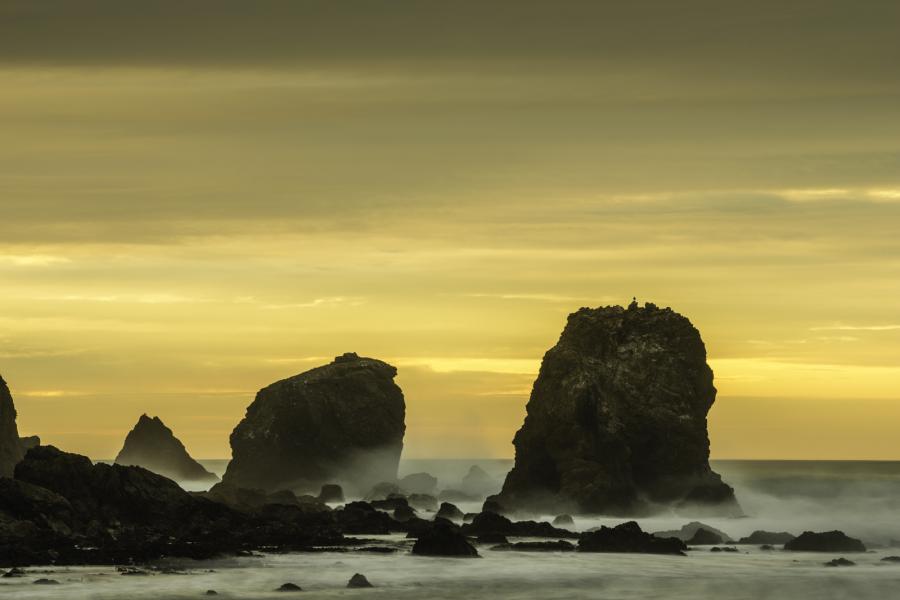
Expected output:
(318, 303)
(32, 260)
(842, 327)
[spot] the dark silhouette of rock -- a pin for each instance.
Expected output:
(45, 581)
(422, 501)
(705, 537)
(616, 422)
(829, 541)
(331, 492)
(890, 559)
(557, 546)
(28, 442)
(342, 422)
(450, 512)
(478, 483)
(361, 518)
(492, 538)
(723, 549)
(767, 547)
(628, 537)
(17, 572)
(840, 562)
(492, 523)
(689, 531)
(11, 451)
(246, 500)
(392, 502)
(382, 491)
(289, 587)
(404, 513)
(418, 483)
(359, 581)
(767, 537)
(153, 446)
(564, 521)
(442, 539)
(491, 504)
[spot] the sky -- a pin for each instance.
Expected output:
(198, 199)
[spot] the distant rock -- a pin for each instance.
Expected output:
(289, 587)
(419, 483)
(829, 541)
(492, 523)
(628, 537)
(890, 559)
(443, 540)
(423, 501)
(11, 450)
(564, 521)
(45, 581)
(331, 492)
(450, 512)
(382, 491)
(457, 496)
(478, 483)
(342, 422)
(616, 422)
(359, 581)
(689, 531)
(392, 502)
(705, 537)
(152, 445)
(723, 549)
(767, 537)
(840, 562)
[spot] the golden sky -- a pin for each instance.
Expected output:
(199, 199)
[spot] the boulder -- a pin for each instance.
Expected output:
(767, 537)
(705, 537)
(342, 422)
(449, 511)
(564, 521)
(11, 451)
(331, 492)
(361, 518)
(152, 445)
(441, 539)
(404, 513)
(840, 562)
(418, 483)
(557, 546)
(492, 523)
(616, 422)
(248, 500)
(890, 559)
(829, 541)
(689, 531)
(392, 502)
(723, 549)
(478, 483)
(628, 537)
(359, 581)
(289, 587)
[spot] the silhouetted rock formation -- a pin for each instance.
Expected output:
(359, 581)
(28, 442)
(564, 521)
(628, 537)
(450, 512)
(478, 483)
(153, 446)
(331, 492)
(840, 562)
(828, 541)
(689, 532)
(11, 450)
(442, 539)
(418, 483)
(492, 523)
(767, 537)
(342, 422)
(557, 546)
(616, 422)
(245, 499)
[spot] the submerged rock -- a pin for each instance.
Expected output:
(359, 581)
(442, 539)
(11, 450)
(767, 537)
(628, 537)
(289, 587)
(616, 422)
(153, 446)
(890, 559)
(342, 422)
(829, 541)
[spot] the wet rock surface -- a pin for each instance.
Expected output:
(628, 537)
(152, 445)
(339, 423)
(616, 422)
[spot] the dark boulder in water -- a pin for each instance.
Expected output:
(153, 446)
(829, 541)
(450, 512)
(289, 587)
(442, 539)
(840, 562)
(361, 518)
(705, 537)
(45, 581)
(890, 559)
(342, 422)
(564, 521)
(245, 499)
(359, 581)
(404, 513)
(723, 549)
(331, 492)
(418, 483)
(11, 448)
(382, 491)
(767, 537)
(492, 523)
(628, 537)
(557, 546)
(616, 422)
(689, 531)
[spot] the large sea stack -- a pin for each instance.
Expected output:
(153, 446)
(339, 423)
(11, 448)
(616, 422)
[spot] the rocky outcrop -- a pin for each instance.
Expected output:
(153, 446)
(628, 537)
(616, 422)
(689, 533)
(418, 483)
(767, 537)
(492, 523)
(11, 450)
(450, 512)
(339, 423)
(478, 483)
(443, 539)
(828, 541)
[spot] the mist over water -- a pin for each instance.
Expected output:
(860, 498)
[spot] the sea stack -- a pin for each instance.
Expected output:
(11, 448)
(616, 422)
(340, 423)
(153, 446)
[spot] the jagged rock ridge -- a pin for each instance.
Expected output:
(339, 423)
(616, 422)
(153, 446)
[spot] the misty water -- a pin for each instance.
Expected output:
(860, 498)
